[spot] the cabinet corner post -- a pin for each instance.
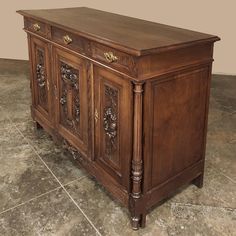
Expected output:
(137, 159)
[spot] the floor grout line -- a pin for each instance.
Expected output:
(221, 173)
(32, 199)
(62, 186)
(202, 205)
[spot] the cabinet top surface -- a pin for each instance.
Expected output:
(130, 34)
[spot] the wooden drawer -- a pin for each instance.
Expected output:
(101, 53)
(71, 41)
(114, 58)
(37, 27)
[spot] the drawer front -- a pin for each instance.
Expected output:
(71, 41)
(118, 60)
(37, 27)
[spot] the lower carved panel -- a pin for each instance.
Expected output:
(74, 152)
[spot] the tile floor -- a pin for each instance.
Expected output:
(42, 192)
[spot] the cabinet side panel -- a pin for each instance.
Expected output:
(170, 61)
(178, 116)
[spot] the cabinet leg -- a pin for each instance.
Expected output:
(138, 221)
(199, 181)
(37, 125)
(135, 220)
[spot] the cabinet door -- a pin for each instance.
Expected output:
(113, 126)
(41, 77)
(71, 99)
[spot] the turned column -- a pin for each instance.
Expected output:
(137, 162)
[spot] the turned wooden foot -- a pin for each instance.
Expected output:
(198, 181)
(135, 221)
(138, 221)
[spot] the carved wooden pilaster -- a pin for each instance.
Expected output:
(137, 162)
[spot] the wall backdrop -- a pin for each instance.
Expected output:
(209, 16)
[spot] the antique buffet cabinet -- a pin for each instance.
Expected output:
(129, 99)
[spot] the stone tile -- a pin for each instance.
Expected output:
(109, 217)
(221, 145)
(222, 155)
(10, 137)
(50, 214)
(215, 111)
(57, 158)
(222, 97)
(14, 89)
(222, 82)
(218, 191)
(17, 112)
(38, 138)
(4, 119)
(15, 97)
(23, 176)
(61, 164)
(223, 90)
(226, 127)
(185, 220)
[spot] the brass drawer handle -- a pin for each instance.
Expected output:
(67, 39)
(36, 27)
(110, 57)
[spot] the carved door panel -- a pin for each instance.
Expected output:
(71, 98)
(113, 127)
(41, 77)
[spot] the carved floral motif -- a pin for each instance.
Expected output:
(40, 69)
(69, 75)
(41, 78)
(110, 119)
(70, 90)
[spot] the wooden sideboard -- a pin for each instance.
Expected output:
(128, 97)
